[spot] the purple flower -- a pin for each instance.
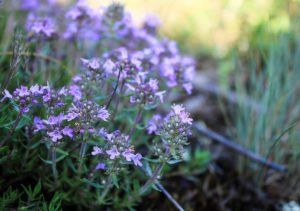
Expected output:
(25, 109)
(188, 87)
(128, 154)
(41, 26)
(183, 115)
(109, 66)
(153, 124)
(35, 89)
(100, 166)
(38, 124)
(137, 159)
(177, 109)
(47, 97)
(22, 91)
(67, 131)
(93, 63)
(77, 78)
(96, 151)
(103, 114)
(55, 135)
(113, 153)
(74, 90)
(185, 118)
(70, 116)
(6, 95)
(160, 95)
(55, 120)
(63, 91)
(29, 4)
(153, 83)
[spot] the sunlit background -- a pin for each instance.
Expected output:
(215, 25)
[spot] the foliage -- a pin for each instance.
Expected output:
(84, 139)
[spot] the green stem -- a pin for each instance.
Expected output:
(106, 189)
(136, 121)
(152, 179)
(82, 154)
(53, 157)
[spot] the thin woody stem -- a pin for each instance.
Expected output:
(115, 90)
(136, 121)
(37, 55)
(152, 179)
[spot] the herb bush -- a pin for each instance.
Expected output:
(86, 118)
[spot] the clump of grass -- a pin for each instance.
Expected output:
(270, 77)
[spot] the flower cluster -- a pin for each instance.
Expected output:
(144, 92)
(26, 97)
(116, 151)
(87, 114)
(55, 128)
(41, 27)
(173, 132)
(122, 45)
(134, 70)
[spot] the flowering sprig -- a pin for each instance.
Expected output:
(25, 97)
(55, 128)
(173, 133)
(116, 152)
(41, 27)
(144, 92)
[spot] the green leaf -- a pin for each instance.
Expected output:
(115, 180)
(171, 162)
(37, 188)
(4, 149)
(91, 183)
(23, 122)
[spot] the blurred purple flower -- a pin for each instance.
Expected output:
(67, 131)
(137, 159)
(103, 114)
(55, 135)
(96, 151)
(153, 124)
(74, 90)
(113, 153)
(100, 166)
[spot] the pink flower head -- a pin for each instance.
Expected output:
(183, 115)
